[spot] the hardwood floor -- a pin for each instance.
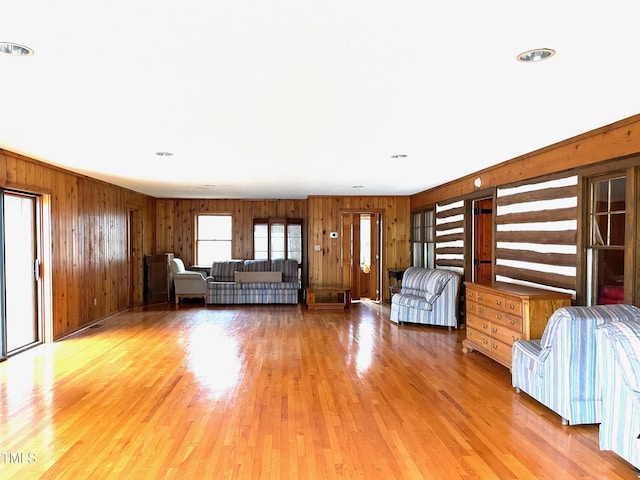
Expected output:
(258, 392)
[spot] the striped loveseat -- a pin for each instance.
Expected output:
(559, 370)
(427, 296)
(253, 281)
(618, 346)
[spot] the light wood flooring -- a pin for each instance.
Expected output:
(257, 392)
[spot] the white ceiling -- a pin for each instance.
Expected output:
(290, 98)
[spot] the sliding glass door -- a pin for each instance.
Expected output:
(20, 273)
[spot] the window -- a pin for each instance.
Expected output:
(213, 238)
(605, 253)
(275, 239)
(423, 239)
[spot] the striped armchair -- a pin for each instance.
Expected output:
(618, 346)
(559, 370)
(428, 296)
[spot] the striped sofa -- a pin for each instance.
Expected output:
(427, 296)
(618, 346)
(559, 370)
(253, 281)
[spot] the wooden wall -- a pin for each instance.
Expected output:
(321, 215)
(617, 140)
(175, 222)
(324, 218)
(89, 240)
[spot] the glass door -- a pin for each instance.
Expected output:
(20, 319)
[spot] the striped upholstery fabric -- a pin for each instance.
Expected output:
(427, 296)
(225, 271)
(222, 288)
(618, 346)
(222, 292)
(559, 370)
(257, 266)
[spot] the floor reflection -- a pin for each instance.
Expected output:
(214, 358)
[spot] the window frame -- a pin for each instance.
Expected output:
(597, 245)
(423, 236)
(286, 222)
(197, 239)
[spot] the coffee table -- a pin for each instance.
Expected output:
(328, 297)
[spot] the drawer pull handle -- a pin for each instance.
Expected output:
(480, 310)
(512, 306)
(484, 341)
(499, 317)
(514, 338)
(498, 302)
(480, 297)
(485, 326)
(494, 330)
(494, 346)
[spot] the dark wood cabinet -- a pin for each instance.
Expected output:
(158, 280)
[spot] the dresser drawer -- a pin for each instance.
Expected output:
(504, 334)
(513, 322)
(491, 300)
(479, 323)
(471, 295)
(513, 306)
(501, 351)
(471, 307)
(478, 338)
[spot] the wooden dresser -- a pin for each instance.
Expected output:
(499, 314)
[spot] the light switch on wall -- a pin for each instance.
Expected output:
(316, 248)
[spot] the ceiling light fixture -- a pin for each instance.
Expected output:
(15, 49)
(164, 154)
(536, 55)
(399, 155)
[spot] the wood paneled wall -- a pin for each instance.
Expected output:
(89, 240)
(321, 215)
(324, 218)
(617, 140)
(175, 222)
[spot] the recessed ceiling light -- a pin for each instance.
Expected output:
(536, 55)
(164, 154)
(399, 155)
(15, 49)
(357, 186)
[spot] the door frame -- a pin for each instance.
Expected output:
(376, 251)
(44, 290)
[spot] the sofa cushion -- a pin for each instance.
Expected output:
(428, 283)
(625, 341)
(289, 269)
(224, 271)
(257, 266)
(259, 276)
(413, 301)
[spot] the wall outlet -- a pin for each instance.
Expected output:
(95, 301)
(317, 248)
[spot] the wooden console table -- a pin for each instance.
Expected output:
(328, 297)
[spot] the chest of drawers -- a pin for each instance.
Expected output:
(499, 314)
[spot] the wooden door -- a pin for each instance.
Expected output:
(363, 284)
(483, 240)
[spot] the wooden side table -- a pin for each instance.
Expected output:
(328, 297)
